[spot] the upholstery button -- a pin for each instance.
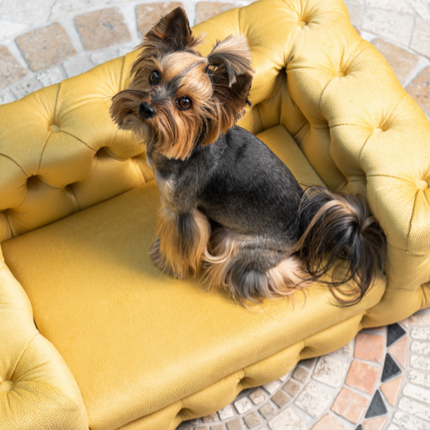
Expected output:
(302, 23)
(422, 185)
(340, 74)
(7, 386)
(54, 128)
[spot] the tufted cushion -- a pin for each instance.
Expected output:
(319, 91)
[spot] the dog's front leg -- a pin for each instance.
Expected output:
(181, 240)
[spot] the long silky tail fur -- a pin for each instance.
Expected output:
(336, 227)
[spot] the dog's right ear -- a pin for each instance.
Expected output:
(172, 33)
(230, 71)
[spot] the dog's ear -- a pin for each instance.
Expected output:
(172, 33)
(229, 67)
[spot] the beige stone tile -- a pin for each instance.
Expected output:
(27, 12)
(6, 97)
(350, 405)
(252, 420)
(397, 5)
(291, 388)
(206, 9)
(421, 37)
(398, 351)
(148, 14)
(45, 46)
(300, 374)
(422, 9)
(50, 76)
(374, 424)
(330, 371)
(396, 26)
(280, 399)
(419, 378)
(407, 422)
(391, 390)
(242, 405)
(25, 87)
(226, 412)
(10, 70)
(419, 89)
(287, 420)
(420, 318)
(64, 8)
(313, 399)
(415, 408)
(400, 60)
(329, 422)
(362, 376)
(267, 410)
(234, 425)
(257, 396)
(102, 28)
(369, 347)
(8, 28)
(210, 418)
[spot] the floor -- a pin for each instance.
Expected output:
(381, 380)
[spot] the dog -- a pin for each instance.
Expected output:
(229, 206)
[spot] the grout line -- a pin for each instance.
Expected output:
(73, 33)
(422, 64)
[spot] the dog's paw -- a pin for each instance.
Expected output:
(161, 262)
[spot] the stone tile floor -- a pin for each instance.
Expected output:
(379, 381)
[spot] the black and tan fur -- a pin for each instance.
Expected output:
(229, 206)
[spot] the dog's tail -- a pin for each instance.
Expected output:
(336, 227)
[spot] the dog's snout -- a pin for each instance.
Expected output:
(146, 110)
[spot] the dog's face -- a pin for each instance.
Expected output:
(177, 99)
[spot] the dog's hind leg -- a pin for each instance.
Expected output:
(252, 267)
(181, 241)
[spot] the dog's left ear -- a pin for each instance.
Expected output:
(172, 33)
(229, 67)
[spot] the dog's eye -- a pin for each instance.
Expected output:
(184, 103)
(155, 77)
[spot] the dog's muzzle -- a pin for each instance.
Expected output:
(146, 110)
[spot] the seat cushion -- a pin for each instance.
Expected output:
(138, 341)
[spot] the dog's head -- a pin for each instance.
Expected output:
(177, 99)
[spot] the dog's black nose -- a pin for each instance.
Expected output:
(146, 110)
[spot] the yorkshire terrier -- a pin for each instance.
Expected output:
(229, 206)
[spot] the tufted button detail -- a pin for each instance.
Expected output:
(421, 184)
(54, 128)
(7, 386)
(302, 23)
(340, 74)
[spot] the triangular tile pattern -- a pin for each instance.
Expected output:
(377, 406)
(391, 369)
(394, 333)
(398, 351)
(391, 390)
(374, 424)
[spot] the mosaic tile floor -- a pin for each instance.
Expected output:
(379, 381)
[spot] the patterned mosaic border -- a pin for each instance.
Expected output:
(380, 380)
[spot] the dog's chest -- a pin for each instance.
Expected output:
(166, 186)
